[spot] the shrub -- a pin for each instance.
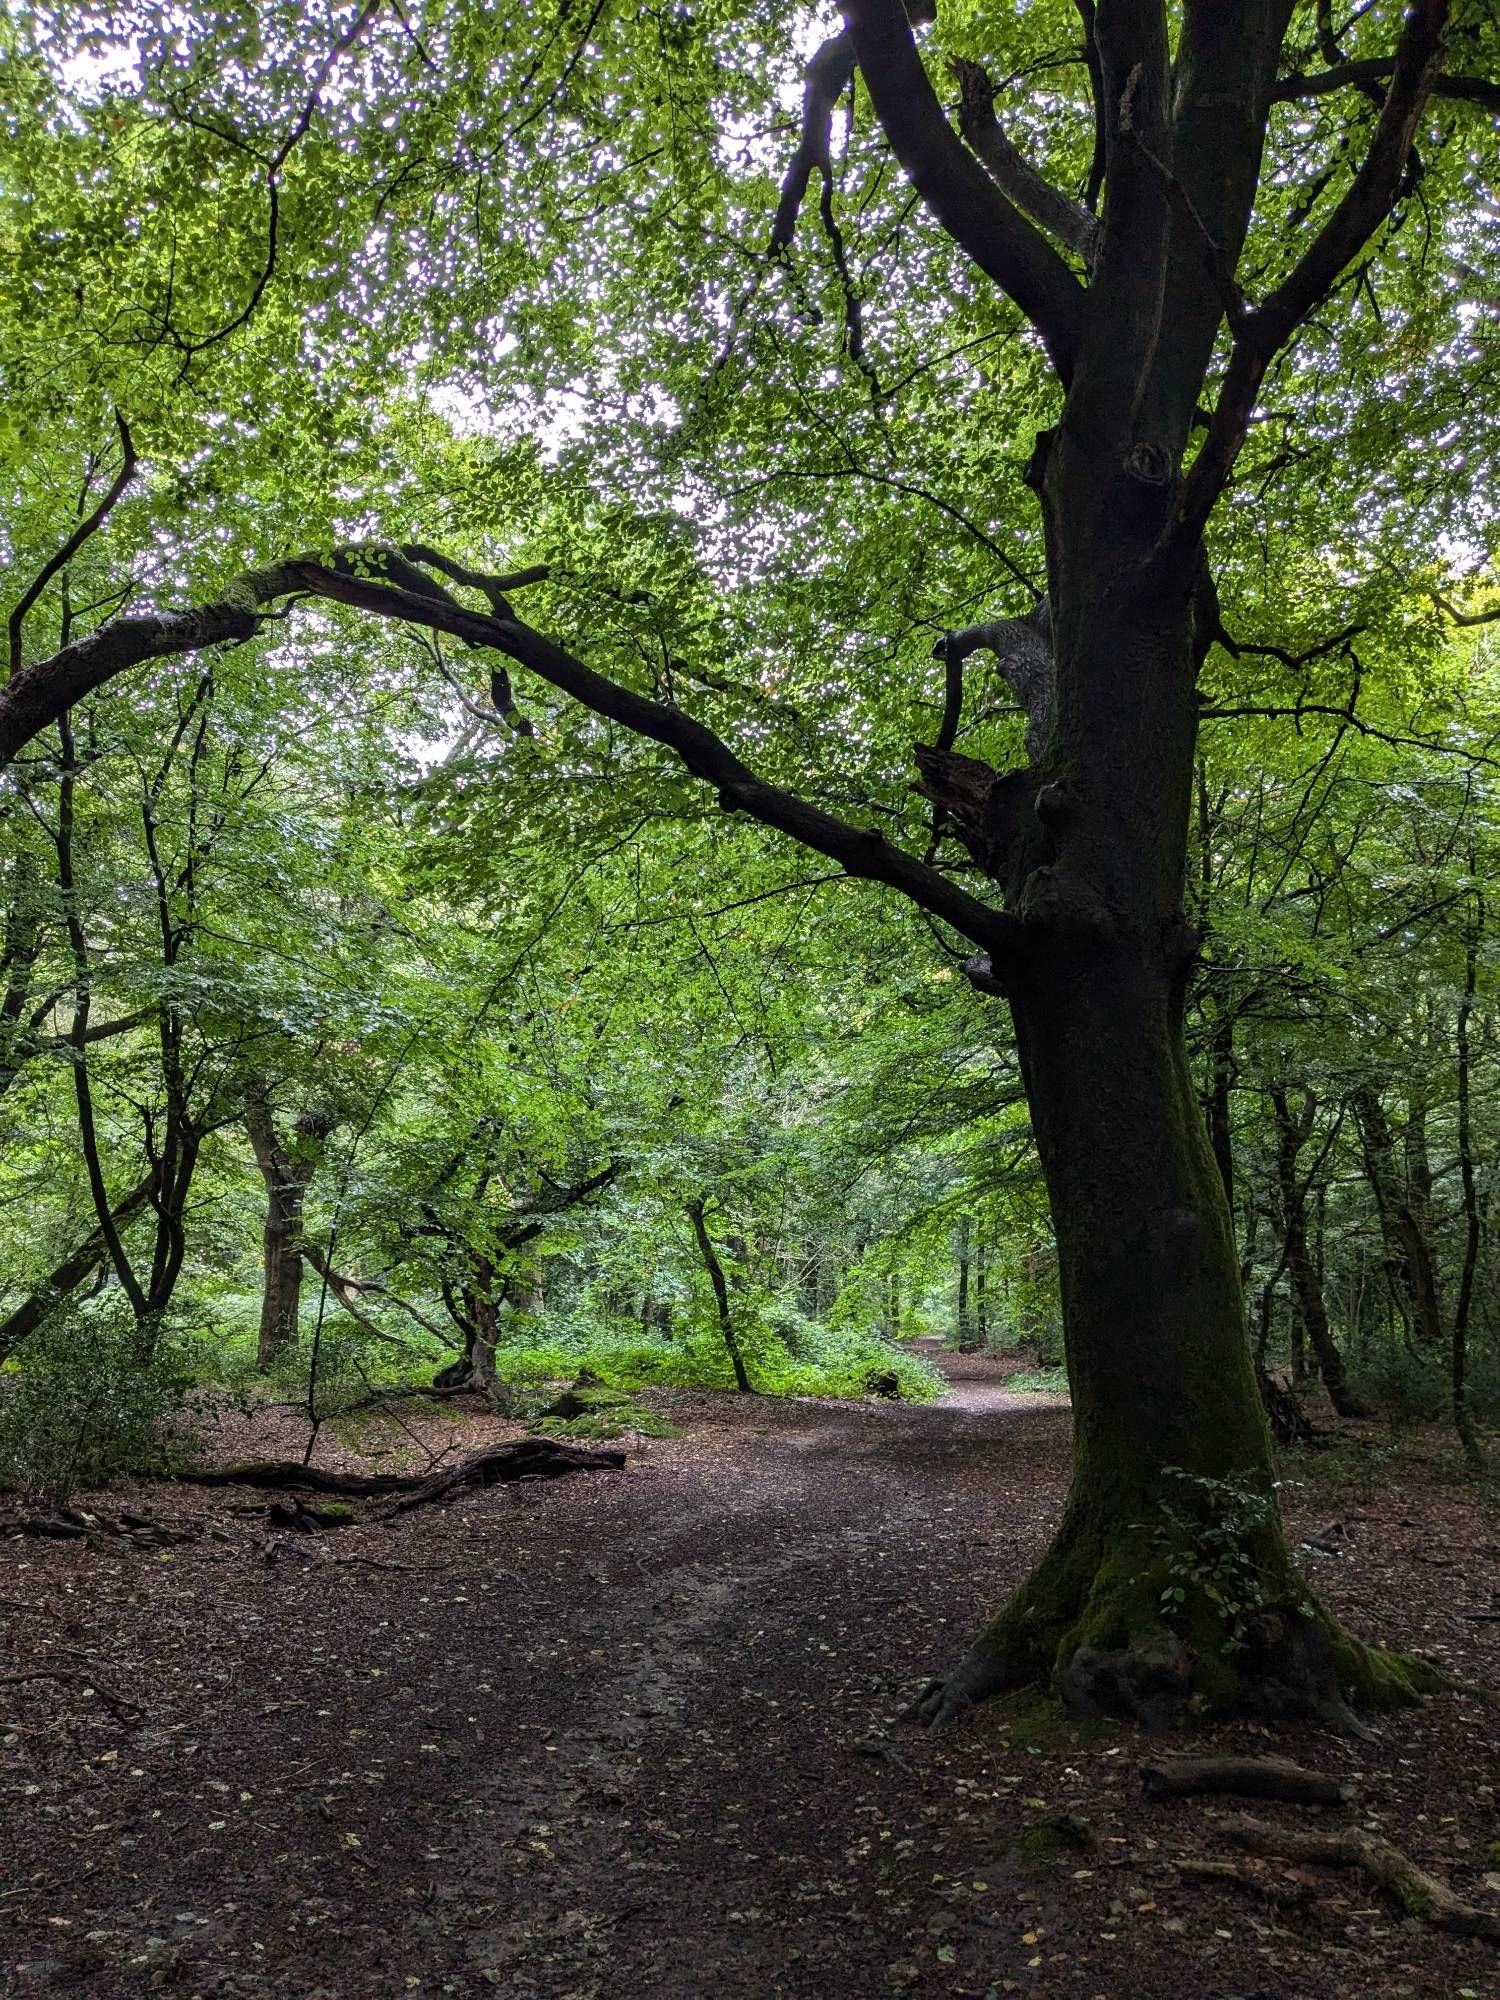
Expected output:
(95, 1394)
(828, 1361)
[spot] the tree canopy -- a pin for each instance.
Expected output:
(588, 590)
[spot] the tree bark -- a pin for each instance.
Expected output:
(287, 1169)
(1411, 1271)
(721, 1294)
(1217, 1101)
(1307, 1291)
(1171, 1440)
(963, 1332)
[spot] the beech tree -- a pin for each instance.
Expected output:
(1197, 256)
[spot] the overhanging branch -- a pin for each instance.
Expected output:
(355, 577)
(1481, 90)
(860, 852)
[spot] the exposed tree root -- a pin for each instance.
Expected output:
(977, 1679)
(1418, 1893)
(1287, 1894)
(1250, 1777)
(1129, 1622)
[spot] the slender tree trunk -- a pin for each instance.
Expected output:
(1411, 1270)
(1463, 1422)
(963, 1331)
(808, 1282)
(721, 1294)
(1217, 1104)
(1307, 1292)
(286, 1170)
(1418, 1160)
(981, 1301)
(1297, 1343)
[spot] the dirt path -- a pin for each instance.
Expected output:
(630, 1736)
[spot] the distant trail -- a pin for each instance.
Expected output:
(977, 1383)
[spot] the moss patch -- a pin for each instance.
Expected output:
(1033, 1720)
(1372, 1678)
(607, 1421)
(1058, 1836)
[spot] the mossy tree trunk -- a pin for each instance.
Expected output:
(1169, 1586)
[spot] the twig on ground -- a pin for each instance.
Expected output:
(127, 1713)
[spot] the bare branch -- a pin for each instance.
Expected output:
(1457, 617)
(343, 1287)
(1481, 90)
(191, 348)
(84, 531)
(866, 854)
(47, 690)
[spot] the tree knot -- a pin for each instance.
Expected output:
(1148, 463)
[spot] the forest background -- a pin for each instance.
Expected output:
(365, 1014)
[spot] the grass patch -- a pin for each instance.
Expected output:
(1039, 1382)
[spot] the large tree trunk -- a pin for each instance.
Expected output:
(1169, 1585)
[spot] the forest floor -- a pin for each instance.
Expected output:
(631, 1734)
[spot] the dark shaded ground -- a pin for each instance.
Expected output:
(630, 1735)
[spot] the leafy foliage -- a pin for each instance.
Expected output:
(99, 1395)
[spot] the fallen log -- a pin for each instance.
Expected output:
(528, 1458)
(1418, 1893)
(285, 1474)
(1249, 1777)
